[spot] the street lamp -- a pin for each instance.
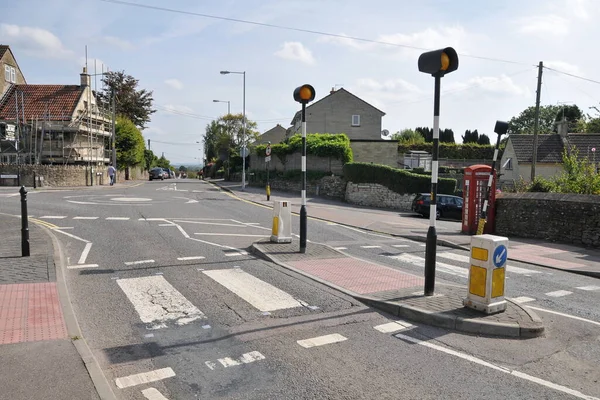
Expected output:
(244, 126)
(303, 94)
(224, 101)
(437, 63)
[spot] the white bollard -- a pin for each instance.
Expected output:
(282, 222)
(485, 291)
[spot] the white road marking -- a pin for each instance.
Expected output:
(151, 219)
(588, 288)
(84, 254)
(210, 223)
(82, 202)
(139, 262)
(559, 293)
(53, 217)
(117, 218)
(393, 326)
(441, 267)
(523, 299)
(341, 248)
(144, 377)
(235, 253)
(262, 295)
(565, 315)
(229, 234)
(85, 218)
(370, 247)
(166, 225)
(400, 245)
(321, 340)
(227, 362)
(158, 302)
(190, 258)
(153, 394)
(505, 370)
(467, 259)
(81, 266)
(64, 227)
(71, 236)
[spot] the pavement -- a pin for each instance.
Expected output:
(574, 259)
(399, 293)
(35, 344)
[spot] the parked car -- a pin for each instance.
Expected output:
(448, 206)
(157, 173)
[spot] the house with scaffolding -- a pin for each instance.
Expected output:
(54, 124)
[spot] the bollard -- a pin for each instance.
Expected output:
(24, 223)
(34, 183)
(268, 192)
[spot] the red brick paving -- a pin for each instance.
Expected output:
(30, 312)
(358, 276)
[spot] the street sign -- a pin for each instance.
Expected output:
(267, 158)
(244, 152)
(499, 257)
(10, 132)
(268, 150)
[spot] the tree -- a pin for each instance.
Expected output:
(130, 102)
(226, 133)
(470, 136)
(129, 144)
(183, 168)
(483, 139)
(447, 136)
(408, 136)
(426, 133)
(150, 159)
(573, 115)
(163, 162)
(593, 126)
(525, 121)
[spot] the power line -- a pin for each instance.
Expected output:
(173, 143)
(568, 74)
(289, 28)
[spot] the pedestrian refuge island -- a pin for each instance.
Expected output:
(282, 222)
(487, 274)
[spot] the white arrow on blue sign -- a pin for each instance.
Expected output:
(500, 255)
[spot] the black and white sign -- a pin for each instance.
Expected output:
(268, 150)
(267, 158)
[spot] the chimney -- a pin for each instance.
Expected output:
(332, 90)
(563, 128)
(85, 78)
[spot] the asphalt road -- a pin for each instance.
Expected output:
(162, 286)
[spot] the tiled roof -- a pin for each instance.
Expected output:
(56, 101)
(550, 148)
(3, 49)
(585, 142)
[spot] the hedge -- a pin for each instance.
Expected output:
(317, 144)
(456, 151)
(397, 180)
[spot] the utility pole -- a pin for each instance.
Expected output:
(536, 125)
(149, 145)
(114, 136)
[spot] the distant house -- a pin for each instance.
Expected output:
(341, 112)
(518, 155)
(12, 72)
(62, 124)
(274, 135)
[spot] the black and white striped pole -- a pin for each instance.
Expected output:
(437, 63)
(501, 128)
(303, 94)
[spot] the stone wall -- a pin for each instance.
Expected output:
(376, 195)
(333, 187)
(567, 218)
(64, 175)
(384, 152)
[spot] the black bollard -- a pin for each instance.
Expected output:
(34, 183)
(24, 223)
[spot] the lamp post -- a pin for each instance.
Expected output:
(224, 101)
(244, 127)
(437, 63)
(303, 94)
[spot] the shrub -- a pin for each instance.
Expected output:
(458, 151)
(317, 144)
(398, 180)
(541, 185)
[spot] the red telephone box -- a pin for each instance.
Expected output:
(474, 191)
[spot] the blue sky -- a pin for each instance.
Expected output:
(179, 56)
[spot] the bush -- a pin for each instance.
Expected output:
(398, 180)
(317, 144)
(541, 185)
(457, 151)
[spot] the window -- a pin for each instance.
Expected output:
(508, 164)
(356, 120)
(10, 74)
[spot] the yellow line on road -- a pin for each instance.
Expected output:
(45, 223)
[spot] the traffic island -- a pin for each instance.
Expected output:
(399, 293)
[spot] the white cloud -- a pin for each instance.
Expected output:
(174, 83)
(295, 51)
(497, 85)
(544, 25)
(34, 41)
(118, 42)
(579, 8)
(391, 86)
(563, 66)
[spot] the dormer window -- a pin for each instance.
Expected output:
(10, 74)
(356, 120)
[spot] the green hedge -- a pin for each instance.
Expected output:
(317, 144)
(397, 180)
(457, 151)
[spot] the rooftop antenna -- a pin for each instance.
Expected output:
(336, 85)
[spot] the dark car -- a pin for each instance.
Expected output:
(448, 206)
(157, 173)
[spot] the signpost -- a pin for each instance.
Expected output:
(268, 161)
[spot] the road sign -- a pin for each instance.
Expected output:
(268, 150)
(244, 152)
(10, 133)
(499, 257)
(267, 158)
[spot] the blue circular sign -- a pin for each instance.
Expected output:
(500, 255)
